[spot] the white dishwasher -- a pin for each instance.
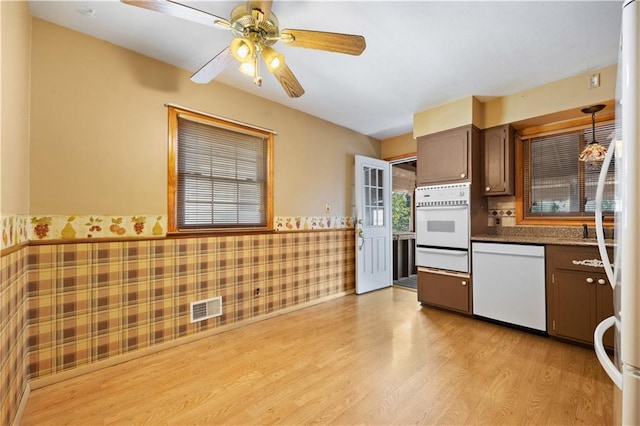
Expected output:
(508, 283)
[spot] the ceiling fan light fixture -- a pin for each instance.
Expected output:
(243, 49)
(272, 58)
(247, 68)
(255, 29)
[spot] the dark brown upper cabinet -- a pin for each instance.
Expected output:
(498, 160)
(446, 157)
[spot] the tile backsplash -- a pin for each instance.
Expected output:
(502, 211)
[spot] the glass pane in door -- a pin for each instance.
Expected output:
(374, 201)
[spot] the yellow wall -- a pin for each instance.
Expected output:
(399, 146)
(444, 117)
(99, 133)
(569, 94)
(556, 101)
(14, 109)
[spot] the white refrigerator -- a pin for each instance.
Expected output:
(624, 274)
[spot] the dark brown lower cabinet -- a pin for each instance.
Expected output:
(450, 291)
(579, 295)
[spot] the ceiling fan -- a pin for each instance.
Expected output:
(255, 30)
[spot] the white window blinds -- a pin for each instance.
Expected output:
(558, 183)
(222, 177)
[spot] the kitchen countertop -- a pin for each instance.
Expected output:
(404, 235)
(544, 235)
(543, 240)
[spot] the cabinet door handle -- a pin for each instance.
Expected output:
(601, 281)
(463, 283)
(589, 280)
(463, 175)
(488, 188)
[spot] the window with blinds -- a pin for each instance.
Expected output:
(221, 175)
(556, 183)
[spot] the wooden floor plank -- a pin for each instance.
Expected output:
(378, 358)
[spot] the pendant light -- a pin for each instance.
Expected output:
(594, 153)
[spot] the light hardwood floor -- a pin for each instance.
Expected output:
(378, 358)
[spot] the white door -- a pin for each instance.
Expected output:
(373, 224)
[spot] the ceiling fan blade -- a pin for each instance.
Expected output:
(289, 82)
(179, 10)
(263, 5)
(332, 42)
(212, 68)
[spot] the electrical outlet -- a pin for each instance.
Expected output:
(327, 208)
(258, 291)
(594, 80)
(497, 221)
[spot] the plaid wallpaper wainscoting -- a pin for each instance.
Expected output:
(13, 332)
(70, 305)
(89, 302)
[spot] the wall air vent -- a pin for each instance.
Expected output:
(205, 309)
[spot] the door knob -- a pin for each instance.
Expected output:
(601, 281)
(488, 188)
(589, 280)
(360, 234)
(463, 283)
(463, 175)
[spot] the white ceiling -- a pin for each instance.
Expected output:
(420, 54)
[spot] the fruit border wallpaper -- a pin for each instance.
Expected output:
(298, 223)
(18, 229)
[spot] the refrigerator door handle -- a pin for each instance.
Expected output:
(598, 214)
(608, 366)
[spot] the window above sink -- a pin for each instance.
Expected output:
(554, 187)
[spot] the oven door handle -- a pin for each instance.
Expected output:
(439, 251)
(461, 207)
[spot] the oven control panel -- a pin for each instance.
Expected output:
(443, 195)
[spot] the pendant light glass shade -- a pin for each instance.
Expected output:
(593, 154)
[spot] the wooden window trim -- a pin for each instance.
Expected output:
(547, 130)
(174, 113)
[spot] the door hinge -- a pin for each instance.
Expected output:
(554, 324)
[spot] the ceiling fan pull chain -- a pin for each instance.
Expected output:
(257, 80)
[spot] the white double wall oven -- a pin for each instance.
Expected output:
(443, 227)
